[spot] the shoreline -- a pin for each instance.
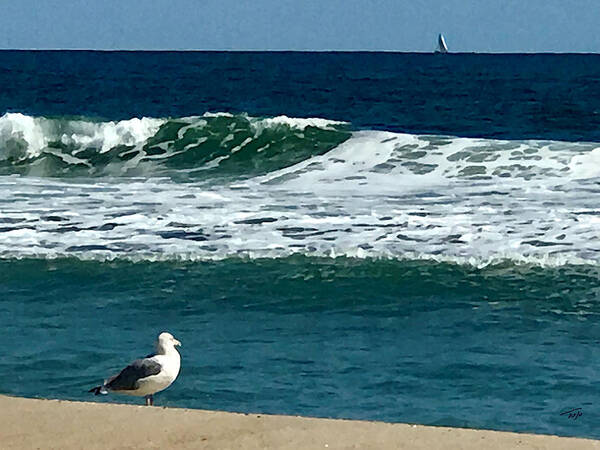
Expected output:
(36, 423)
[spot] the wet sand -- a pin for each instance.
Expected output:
(30, 423)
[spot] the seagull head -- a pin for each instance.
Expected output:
(166, 341)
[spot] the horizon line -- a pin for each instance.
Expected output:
(189, 50)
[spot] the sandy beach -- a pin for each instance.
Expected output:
(32, 423)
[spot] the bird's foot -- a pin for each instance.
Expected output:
(149, 400)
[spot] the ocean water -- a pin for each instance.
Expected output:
(398, 237)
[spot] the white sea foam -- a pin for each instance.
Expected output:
(389, 161)
(108, 135)
(23, 137)
(159, 219)
(295, 122)
(377, 195)
(586, 165)
(21, 134)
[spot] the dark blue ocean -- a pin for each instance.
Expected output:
(397, 237)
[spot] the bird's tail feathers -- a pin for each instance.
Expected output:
(99, 390)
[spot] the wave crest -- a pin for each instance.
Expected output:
(187, 147)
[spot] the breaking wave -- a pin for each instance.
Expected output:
(186, 147)
(276, 187)
(223, 144)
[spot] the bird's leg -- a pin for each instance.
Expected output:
(148, 400)
(151, 400)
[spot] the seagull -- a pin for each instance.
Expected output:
(147, 376)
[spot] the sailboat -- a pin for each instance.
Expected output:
(442, 47)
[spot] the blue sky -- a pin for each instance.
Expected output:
(469, 25)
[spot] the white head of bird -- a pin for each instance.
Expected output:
(166, 343)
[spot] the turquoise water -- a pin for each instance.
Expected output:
(334, 235)
(501, 347)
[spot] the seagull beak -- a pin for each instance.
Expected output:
(176, 342)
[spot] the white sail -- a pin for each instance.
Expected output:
(442, 47)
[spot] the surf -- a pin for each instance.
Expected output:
(242, 146)
(222, 185)
(185, 148)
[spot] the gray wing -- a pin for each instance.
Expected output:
(127, 379)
